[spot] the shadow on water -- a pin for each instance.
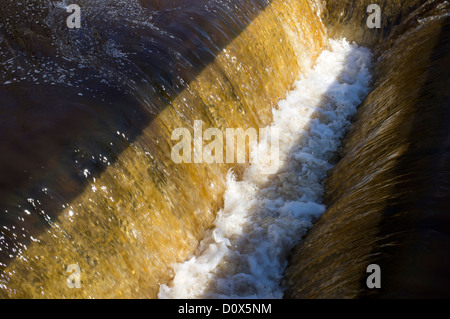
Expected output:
(73, 100)
(413, 242)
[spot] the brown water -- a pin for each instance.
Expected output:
(88, 179)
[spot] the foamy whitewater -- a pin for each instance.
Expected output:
(265, 216)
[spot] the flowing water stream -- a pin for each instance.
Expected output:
(265, 214)
(87, 177)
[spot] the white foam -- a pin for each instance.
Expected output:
(265, 216)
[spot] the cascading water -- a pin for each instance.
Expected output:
(264, 215)
(87, 178)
